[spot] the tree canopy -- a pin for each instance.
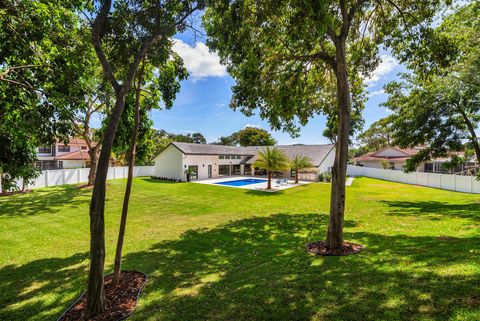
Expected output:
(438, 103)
(41, 76)
(377, 136)
(249, 136)
(125, 33)
(293, 60)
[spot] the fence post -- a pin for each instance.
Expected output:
(63, 176)
(46, 178)
(78, 176)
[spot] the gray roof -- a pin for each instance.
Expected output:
(316, 153)
(210, 149)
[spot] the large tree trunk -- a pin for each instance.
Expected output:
(269, 183)
(296, 175)
(339, 171)
(473, 134)
(93, 153)
(126, 198)
(95, 291)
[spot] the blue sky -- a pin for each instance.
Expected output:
(203, 102)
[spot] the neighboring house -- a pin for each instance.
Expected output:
(395, 158)
(213, 161)
(74, 154)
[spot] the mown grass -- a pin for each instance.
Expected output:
(220, 253)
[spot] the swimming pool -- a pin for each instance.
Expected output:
(242, 182)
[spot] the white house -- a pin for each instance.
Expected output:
(213, 161)
(72, 155)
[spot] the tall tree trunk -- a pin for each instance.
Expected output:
(269, 183)
(474, 138)
(126, 198)
(93, 153)
(296, 175)
(339, 171)
(95, 291)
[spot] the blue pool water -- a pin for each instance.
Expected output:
(242, 182)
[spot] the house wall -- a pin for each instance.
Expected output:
(73, 148)
(202, 161)
(169, 163)
(328, 161)
(378, 164)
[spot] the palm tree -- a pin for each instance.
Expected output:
(272, 160)
(299, 162)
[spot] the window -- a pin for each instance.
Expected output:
(45, 149)
(48, 164)
(239, 157)
(428, 167)
(236, 170)
(221, 157)
(84, 147)
(227, 156)
(60, 164)
(63, 148)
(224, 170)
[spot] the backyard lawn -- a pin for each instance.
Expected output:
(221, 253)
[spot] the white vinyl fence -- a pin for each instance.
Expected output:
(465, 184)
(80, 175)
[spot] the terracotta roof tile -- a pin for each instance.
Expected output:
(76, 155)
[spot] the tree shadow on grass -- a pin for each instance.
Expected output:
(48, 200)
(258, 269)
(434, 210)
(264, 193)
(41, 288)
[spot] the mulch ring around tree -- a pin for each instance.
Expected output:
(120, 301)
(319, 248)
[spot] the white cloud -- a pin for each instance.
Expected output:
(384, 68)
(252, 125)
(376, 93)
(198, 60)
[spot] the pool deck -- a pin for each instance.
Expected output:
(258, 186)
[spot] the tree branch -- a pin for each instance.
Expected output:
(322, 55)
(353, 10)
(97, 34)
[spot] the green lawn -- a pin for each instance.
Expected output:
(220, 253)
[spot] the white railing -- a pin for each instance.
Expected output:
(80, 175)
(465, 184)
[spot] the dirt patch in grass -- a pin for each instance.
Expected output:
(15, 192)
(85, 186)
(447, 238)
(319, 248)
(120, 301)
